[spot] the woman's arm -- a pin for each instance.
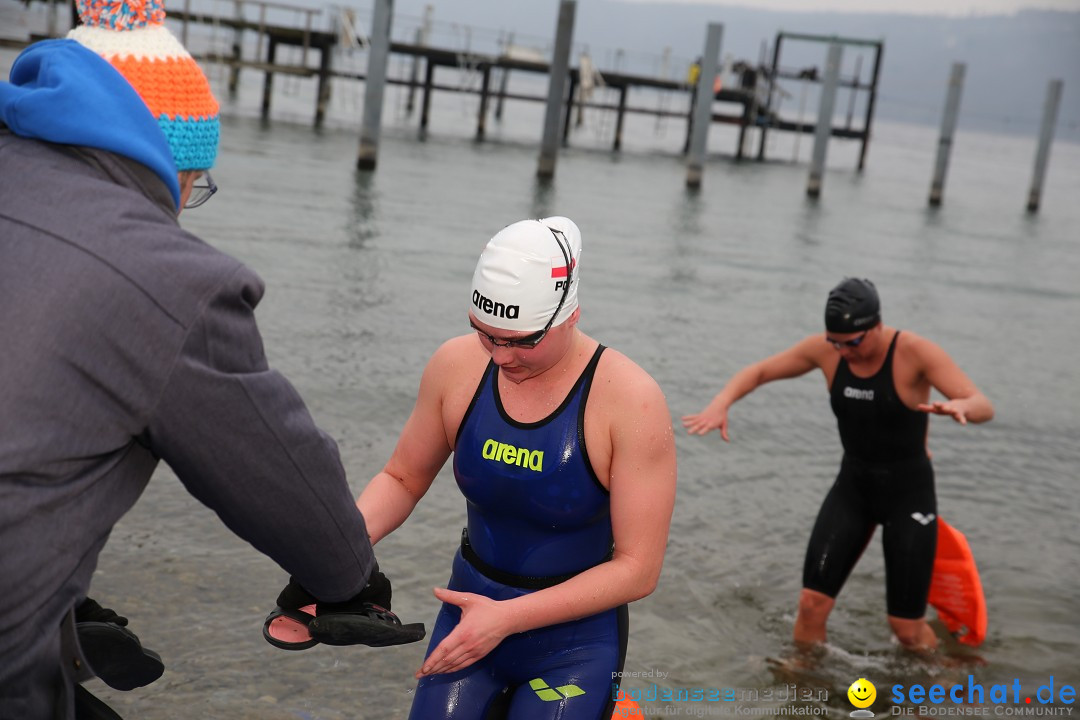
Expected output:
(965, 402)
(421, 451)
(797, 360)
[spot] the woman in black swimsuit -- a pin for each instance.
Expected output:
(879, 382)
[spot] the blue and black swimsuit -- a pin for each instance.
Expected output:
(885, 479)
(537, 515)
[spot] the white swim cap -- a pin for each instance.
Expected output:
(521, 275)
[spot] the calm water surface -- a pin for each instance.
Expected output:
(368, 273)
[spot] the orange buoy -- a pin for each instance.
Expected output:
(955, 589)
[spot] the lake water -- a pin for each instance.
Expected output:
(368, 273)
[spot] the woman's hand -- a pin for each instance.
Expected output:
(713, 417)
(483, 625)
(952, 408)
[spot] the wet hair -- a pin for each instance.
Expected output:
(853, 306)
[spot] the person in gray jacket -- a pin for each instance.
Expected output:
(125, 340)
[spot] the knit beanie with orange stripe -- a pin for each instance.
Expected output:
(131, 35)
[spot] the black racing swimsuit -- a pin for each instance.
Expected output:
(885, 479)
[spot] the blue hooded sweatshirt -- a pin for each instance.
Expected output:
(62, 92)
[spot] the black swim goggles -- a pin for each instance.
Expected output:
(532, 340)
(852, 343)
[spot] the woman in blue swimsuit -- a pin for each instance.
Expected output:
(565, 454)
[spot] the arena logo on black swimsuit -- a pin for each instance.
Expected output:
(857, 394)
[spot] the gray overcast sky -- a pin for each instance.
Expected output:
(921, 7)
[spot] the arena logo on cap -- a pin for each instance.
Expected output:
(492, 307)
(859, 322)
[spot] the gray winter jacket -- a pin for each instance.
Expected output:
(125, 340)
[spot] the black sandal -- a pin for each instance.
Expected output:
(288, 629)
(374, 626)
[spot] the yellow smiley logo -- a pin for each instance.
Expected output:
(862, 693)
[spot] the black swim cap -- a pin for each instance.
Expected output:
(853, 306)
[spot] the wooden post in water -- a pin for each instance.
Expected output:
(481, 120)
(948, 129)
(619, 117)
(825, 115)
(425, 101)
(237, 49)
(322, 97)
(422, 34)
(268, 79)
(870, 102)
(702, 118)
(749, 110)
(569, 110)
(375, 85)
(560, 64)
(1042, 155)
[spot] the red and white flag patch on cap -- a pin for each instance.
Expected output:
(558, 266)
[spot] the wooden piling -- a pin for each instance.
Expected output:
(749, 110)
(827, 102)
(569, 110)
(422, 34)
(322, 96)
(237, 49)
(425, 101)
(414, 74)
(620, 114)
(560, 64)
(504, 78)
(481, 119)
(1046, 136)
(948, 129)
(702, 114)
(870, 102)
(268, 78)
(378, 55)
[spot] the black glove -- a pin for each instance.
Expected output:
(113, 652)
(90, 611)
(376, 592)
(364, 619)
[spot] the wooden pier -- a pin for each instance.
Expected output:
(757, 91)
(755, 98)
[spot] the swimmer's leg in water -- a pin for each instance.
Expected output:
(841, 533)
